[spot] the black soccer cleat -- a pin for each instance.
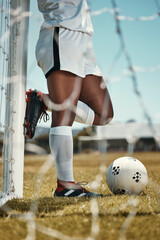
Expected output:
(75, 192)
(35, 109)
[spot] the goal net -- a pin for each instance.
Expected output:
(13, 66)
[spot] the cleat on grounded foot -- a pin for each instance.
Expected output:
(75, 190)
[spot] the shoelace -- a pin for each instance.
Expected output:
(45, 116)
(83, 183)
(80, 184)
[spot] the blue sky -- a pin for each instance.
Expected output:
(142, 40)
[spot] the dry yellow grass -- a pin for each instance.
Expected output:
(38, 214)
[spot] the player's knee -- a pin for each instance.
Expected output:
(107, 115)
(110, 114)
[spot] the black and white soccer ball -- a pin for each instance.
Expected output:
(126, 175)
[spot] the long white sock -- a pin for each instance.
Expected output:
(84, 114)
(61, 145)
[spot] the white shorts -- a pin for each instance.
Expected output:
(63, 49)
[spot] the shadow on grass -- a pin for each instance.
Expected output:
(40, 205)
(43, 207)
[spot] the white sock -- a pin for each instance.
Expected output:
(84, 114)
(61, 145)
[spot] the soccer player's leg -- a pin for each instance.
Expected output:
(40, 103)
(64, 87)
(97, 98)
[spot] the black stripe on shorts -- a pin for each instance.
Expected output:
(55, 52)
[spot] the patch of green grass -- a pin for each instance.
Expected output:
(38, 215)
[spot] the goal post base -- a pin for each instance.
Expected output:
(4, 198)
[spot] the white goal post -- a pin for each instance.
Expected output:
(13, 88)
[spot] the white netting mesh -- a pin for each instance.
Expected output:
(132, 69)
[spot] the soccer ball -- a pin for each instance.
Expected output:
(126, 175)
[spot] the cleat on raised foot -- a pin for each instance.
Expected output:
(35, 109)
(76, 191)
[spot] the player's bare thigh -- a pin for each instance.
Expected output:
(95, 94)
(63, 86)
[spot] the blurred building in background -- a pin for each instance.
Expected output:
(114, 137)
(130, 137)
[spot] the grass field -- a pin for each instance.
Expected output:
(40, 216)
